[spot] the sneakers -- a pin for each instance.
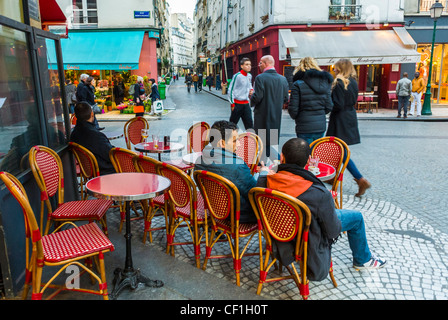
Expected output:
(373, 263)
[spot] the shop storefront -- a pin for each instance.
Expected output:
(378, 54)
(32, 113)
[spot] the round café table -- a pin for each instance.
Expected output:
(128, 186)
(326, 171)
(190, 158)
(161, 148)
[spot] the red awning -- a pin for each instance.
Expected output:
(51, 12)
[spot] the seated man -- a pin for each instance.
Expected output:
(220, 158)
(326, 221)
(87, 135)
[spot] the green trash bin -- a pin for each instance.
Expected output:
(162, 88)
(168, 80)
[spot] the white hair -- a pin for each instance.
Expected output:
(83, 76)
(139, 79)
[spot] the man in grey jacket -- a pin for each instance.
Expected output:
(240, 90)
(404, 89)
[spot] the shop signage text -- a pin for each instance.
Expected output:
(141, 14)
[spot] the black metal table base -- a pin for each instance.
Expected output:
(132, 279)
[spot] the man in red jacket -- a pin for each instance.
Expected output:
(326, 222)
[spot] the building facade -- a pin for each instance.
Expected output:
(181, 39)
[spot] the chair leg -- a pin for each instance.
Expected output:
(103, 284)
(335, 284)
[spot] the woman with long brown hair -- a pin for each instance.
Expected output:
(343, 121)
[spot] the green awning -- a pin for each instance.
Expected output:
(99, 50)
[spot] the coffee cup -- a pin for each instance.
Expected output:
(314, 170)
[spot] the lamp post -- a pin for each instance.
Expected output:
(436, 11)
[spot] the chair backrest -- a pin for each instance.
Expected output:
(360, 97)
(86, 160)
(73, 119)
(392, 95)
(283, 218)
(133, 130)
(221, 196)
(198, 137)
(46, 166)
(31, 227)
(331, 150)
(122, 159)
(250, 148)
(146, 164)
(182, 191)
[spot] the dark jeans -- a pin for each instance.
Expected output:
(242, 111)
(310, 137)
(403, 102)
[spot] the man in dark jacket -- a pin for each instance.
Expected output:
(326, 221)
(220, 158)
(270, 93)
(89, 137)
(309, 103)
(85, 94)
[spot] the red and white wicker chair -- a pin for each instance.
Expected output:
(250, 149)
(62, 248)
(47, 169)
(222, 201)
(186, 209)
(133, 131)
(332, 151)
(88, 166)
(151, 165)
(283, 218)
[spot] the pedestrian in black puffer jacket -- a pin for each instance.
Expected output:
(310, 99)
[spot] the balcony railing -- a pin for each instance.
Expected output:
(345, 13)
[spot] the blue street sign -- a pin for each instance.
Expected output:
(141, 14)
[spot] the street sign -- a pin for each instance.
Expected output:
(141, 14)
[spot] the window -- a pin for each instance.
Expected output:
(85, 12)
(425, 5)
(19, 116)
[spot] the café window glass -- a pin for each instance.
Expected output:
(19, 116)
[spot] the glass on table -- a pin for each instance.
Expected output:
(145, 134)
(155, 140)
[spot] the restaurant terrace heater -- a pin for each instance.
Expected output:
(436, 12)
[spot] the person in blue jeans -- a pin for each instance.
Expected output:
(326, 222)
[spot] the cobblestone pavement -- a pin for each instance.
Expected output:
(404, 211)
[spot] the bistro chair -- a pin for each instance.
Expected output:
(150, 165)
(222, 201)
(250, 148)
(88, 166)
(122, 160)
(61, 248)
(186, 209)
(198, 137)
(283, 218)
(133, 131)
(392, 96)
(47, 169)
(332, 151)
(361, 102)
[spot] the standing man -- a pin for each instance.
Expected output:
(240, 90)
(200, 80)
(270, 93)
(195, 82)
(85, 94)
(404, 89)
(70, 93)
(418, 86)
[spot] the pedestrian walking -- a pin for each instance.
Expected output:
(209, 81)
(70, 93)
(195, 82)
(270, 94)
(200, 81)
(240, 90)
(119, 90)
(218, 82)
(404, 89)
(418, 86)
(155, 95)
(139, 97)
(310, 99)
(188, 81)
(343, 121)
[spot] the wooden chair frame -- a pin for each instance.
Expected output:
(35, 261)
(339, 163)
(130, 137)
(203, 127)
(291, 223)
(57, 191)
(225, 219)
(192, 203)
(251, 159)
(88, 165)
(150, 165)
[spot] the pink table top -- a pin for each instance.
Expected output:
(128, 186)
(161, 148)
(327, 171)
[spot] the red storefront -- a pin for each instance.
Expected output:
(376, 53)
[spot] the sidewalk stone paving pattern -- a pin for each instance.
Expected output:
(411, 235)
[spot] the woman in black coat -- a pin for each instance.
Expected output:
(343, 119)
(310, 99)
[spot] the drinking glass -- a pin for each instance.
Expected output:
(145, 134)
(155, 140)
